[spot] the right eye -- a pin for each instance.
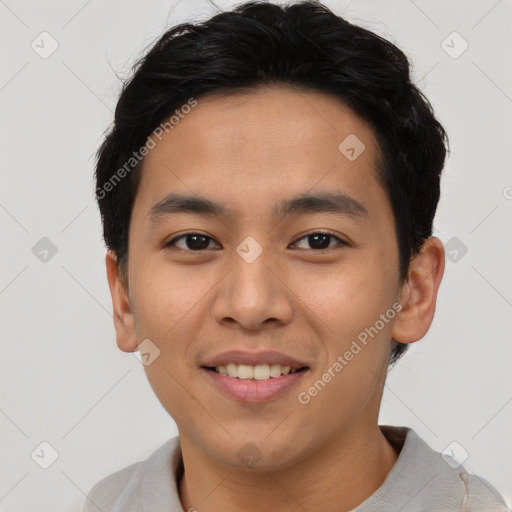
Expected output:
(194, 242)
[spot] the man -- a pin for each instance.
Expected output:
(267, 193)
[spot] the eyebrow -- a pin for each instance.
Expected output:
(321, 202)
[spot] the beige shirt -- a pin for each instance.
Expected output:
(421, 481)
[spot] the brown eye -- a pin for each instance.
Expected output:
(320, 241)
(193, 242)
(196, 242)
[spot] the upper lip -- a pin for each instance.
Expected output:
(253, 359)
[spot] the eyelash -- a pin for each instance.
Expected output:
(329, 249)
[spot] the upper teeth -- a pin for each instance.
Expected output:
(258, 372)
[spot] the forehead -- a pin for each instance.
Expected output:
(256, 146)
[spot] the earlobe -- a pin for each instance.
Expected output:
(122, 313)
(419, 293)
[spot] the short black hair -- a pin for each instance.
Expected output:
(304, 46)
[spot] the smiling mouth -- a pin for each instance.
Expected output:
(256, 372)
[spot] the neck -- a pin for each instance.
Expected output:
(345, 471)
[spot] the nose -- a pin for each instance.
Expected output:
(253, 295)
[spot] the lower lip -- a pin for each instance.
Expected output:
(254, 391)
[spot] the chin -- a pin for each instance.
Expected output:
(259, 462)
(257, 454)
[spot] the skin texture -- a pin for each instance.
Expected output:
(249, 151)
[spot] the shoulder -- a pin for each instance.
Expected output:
(483, 496)
(424, 479)
(125, 490)
(107, 491)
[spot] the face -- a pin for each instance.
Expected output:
(309, 284)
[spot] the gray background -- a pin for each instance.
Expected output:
(63, 379)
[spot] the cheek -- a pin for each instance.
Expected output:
(166, 295)
(346, 301)
(173, 304)
(167, 306)
(348, 323)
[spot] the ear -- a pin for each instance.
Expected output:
(419, 293)
(122, 311)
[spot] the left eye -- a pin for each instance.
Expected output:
(198, 242)
(318, 240)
